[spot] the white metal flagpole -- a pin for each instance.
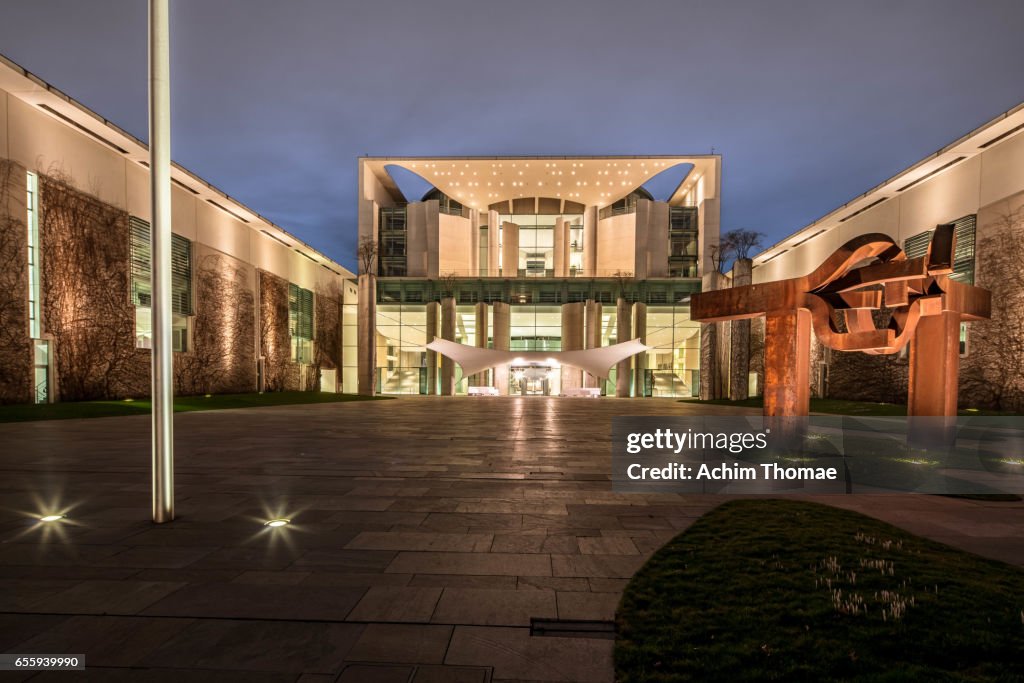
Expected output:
(160, 236)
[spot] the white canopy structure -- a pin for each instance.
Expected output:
(597, 361)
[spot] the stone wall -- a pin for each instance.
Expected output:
(279, 372)
(15, 347)
(85, 295)
(222, 357)
(88, 314)
(327, 332)
(992, 372)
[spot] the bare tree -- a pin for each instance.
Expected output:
(368, 250)
(447, 283)
(622, 280)
(741, 242)
(718, 256)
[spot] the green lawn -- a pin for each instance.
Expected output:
(838, 407)
(762, 590)
(182, 404)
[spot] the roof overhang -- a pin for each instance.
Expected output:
(478, 182)
(473, 359)
(1003, 127)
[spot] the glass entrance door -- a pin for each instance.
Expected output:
(534, 381)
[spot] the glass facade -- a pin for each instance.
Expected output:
(391, 257)
(673, 365)
(350, 340)
(401, 348)
(682, 241)
(537, 244)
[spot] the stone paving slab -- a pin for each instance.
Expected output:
(425, 536)
(486, 607)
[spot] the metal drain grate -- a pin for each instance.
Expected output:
(573, 628)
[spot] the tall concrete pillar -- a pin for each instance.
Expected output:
(502, 341)
(493, 243)
(623, 327)
(509, 250)
(572, 340)
(593, 337)
(433, 316)
(480, 379)
(640, 360)
(474, 243)
(739, 338)
(447, 332)
(561, 248)
(714, 356)
(367, 334)
(590, 241)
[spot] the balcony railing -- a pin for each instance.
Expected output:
(613, 210)
(462, 211)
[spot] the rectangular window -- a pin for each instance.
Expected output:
(32, 201)
(300, 323)
(142, 286)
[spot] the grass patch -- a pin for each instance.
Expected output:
(182, 404)
(836, 406)
(786, 590)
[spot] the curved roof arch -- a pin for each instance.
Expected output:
(478, 182)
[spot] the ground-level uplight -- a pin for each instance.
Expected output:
(51, 518)
(274, 523)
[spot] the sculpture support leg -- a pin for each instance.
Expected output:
(934, 366)
(787, 351)
(933, 385)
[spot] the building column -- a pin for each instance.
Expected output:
(590, 241)
(561, 245)
(509, 250)
(502, 341)
(493, 243)
(572, 340)
(433, 314)
(714, 358)
(480, 379)
(640, 332)
(447, 332)
(593, 337)
(623, 327)
(367, 333)
(739, 338)
(474, 243)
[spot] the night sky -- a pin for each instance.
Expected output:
(810, 103)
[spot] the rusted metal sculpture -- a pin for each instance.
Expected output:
(838, 298)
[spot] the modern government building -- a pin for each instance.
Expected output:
(544, 276)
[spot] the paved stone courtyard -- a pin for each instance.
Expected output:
(425, 536)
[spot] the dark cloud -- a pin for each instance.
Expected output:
(810, 102)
